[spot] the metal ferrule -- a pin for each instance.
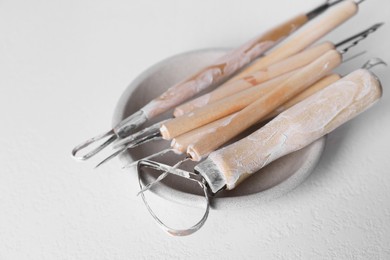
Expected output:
(213, 176)
(322, 8)
(126, 126)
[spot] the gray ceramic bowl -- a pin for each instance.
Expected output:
(271, 182)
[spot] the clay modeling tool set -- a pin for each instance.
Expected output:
(200, 131)
(339, 11)
(281, 86)
(290, 131)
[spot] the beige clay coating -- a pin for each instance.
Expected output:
(298, 126)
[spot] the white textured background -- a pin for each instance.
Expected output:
(64, 65)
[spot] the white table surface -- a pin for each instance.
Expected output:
(63, 67)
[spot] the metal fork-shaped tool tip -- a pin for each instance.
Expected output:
(357, 38)
(111, 138)
(146, 135)
(123, 129)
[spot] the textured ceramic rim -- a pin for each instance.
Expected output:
(224, 202)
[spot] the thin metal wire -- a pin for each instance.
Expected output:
(161, 177)
(181, 173)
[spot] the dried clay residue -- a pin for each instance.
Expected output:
(221, 69)
(298, 126)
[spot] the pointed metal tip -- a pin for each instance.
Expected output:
(130, 165)
(376, 26)
(380, 24)
(109, 158)
(98, 165)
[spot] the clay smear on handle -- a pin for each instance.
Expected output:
(259, 105)
(298, 126)
(223, 91)
(223, 67)
(183, 143)
(231, 87)
(305, 37)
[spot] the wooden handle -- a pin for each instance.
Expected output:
(232, 87)
(321, 84)
(219, 109)
(221, 68)
(224, 107)
(305, 37)
(266, 104)
(297, 127)
(181, 143)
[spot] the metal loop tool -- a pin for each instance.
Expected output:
(181, 174)
(215, 173)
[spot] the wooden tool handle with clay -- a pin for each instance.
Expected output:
(181, 143)
(219, 109)
(269, 97)
(232, 87)
(304, 37)
(222, 68)
(292, 130)
(265, 105)
(240, 57)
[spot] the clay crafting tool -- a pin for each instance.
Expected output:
(266, 67)
(275, 70)
(296, 41)
(280, 94)
(290, 131)
(180, 144)
(226, 66)
(268, 96)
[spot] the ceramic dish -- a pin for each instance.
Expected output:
(270, 183)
